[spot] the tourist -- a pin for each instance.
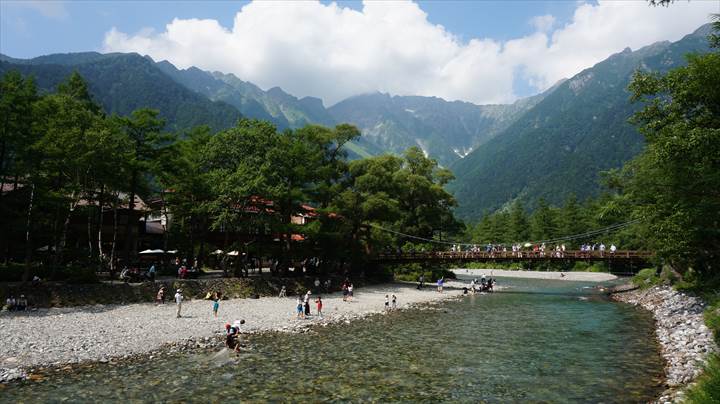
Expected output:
(440, 283)
(394, 302)
(21, 304)
(319, 303)
(345, 291)
(283, 292)
(10, 303)
(216, 305)
(232, 339)
(36, 280)
(472, 285)
(151, 272)
(160, 298)
(317, 284)
(178, 301)
(613, 248)
(387, 303)
(602, 249)
(299, 308)
(421, 281)
(350, 291)
(327, 285)
(306, 303)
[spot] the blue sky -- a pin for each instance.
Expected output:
(74, 26)
(478, 51)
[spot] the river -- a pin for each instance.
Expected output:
(535, 341)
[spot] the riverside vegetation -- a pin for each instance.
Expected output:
(63, 156)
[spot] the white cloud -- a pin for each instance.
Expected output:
(543, 23)
(333, 52)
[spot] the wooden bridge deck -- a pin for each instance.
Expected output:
(627, 256)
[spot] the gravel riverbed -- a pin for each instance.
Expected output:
(684, 339)
(59, 336)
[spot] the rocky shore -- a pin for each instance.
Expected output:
(58, 337)
(684, 339)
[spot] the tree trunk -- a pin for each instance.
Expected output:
(63, 236)
(114, 238)
(165, 229)
(131, 214)
(90, 233)
(101, 217)
(28, 235)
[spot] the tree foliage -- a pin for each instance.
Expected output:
(673, 185)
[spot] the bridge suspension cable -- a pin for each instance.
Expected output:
(614, 227)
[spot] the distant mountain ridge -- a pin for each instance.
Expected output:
(122, 83)
(561, 144)
(548, 145)
(445, 130)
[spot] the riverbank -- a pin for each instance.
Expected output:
(680, 328)
(565, 276)
(100, 333)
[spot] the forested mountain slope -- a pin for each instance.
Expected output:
(122, 83)
(561, 145)
(274, 105)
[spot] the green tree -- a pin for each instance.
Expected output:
(572, 218)
(674, 184)
(518, 229)
(544, 222)
(144, 131)
(17, 98)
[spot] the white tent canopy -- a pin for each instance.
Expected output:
(148, 252)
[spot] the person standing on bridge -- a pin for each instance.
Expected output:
(602, 249)
(613, 248)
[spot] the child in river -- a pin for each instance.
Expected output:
(319, 306)
(387, 302)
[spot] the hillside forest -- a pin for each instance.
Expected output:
(64, 158)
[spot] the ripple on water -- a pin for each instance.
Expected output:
(536, 343)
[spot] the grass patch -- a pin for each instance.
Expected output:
(707, 388)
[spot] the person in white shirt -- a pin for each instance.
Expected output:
(178, 301)
(612, 248)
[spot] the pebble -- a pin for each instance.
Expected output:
(111, 332)
(685, 340)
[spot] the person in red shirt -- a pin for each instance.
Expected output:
(319, 306)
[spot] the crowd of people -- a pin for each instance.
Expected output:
(485, 285)
(528, 250)
(19, 304)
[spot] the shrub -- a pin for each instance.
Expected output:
(411, 272)
(707, 388)
(646, 278)
(80, 275)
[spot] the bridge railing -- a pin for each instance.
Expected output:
(506, 255)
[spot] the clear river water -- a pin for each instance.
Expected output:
(536, 341)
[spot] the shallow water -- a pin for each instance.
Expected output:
(536, 341)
